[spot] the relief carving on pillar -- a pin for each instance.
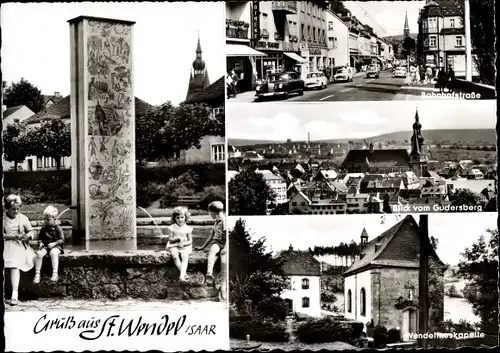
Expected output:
(110, 151)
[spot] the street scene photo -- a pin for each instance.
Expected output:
(114, 157)
(371, 281)
(372, 157)
(312, 51)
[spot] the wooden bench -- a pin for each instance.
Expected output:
(188, 200)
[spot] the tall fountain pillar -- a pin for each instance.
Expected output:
(103, 192)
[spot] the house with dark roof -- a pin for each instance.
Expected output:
(49, 100)
(62, 110)
(382, 286)
(304, 273)
(212, 148)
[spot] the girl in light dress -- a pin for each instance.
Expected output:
(17, 253)
(180, 242)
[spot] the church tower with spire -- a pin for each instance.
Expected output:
(406, 30)
(418, 157)
(198, 78)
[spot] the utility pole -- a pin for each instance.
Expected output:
(468, 42)
(423, 287)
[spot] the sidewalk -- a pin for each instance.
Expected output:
(114, 305)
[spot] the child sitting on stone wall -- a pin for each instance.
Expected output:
(216, 241)
(51, 240)
(180, 241)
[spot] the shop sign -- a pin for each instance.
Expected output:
(255, 21)
(287, 46)
(315, 52)
(268, 45)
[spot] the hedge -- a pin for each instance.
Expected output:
(329, 330)
(259, 329)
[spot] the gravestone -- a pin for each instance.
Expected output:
(102, 129)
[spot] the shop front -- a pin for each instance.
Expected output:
(280, 56)
(243, 60)
(316, 59)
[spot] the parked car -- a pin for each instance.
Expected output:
(400, 72)
(316, 79)
(281, 84)
(345, 74)
(372, 71)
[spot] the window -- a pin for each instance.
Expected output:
(218, 153)
(46, 162)
(309, 32)
(363, 302)
(432, 24)
(264, 21)
(305, 283)
(305, 302)
(330, 25)
(302, 31)
(53, 162)
(63, 161)
(458, 41)
(39, 162)
(314, 34)
(452, 23)
(432, 41)
(349, 301)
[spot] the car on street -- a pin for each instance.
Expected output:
(400, 72)
(316, 79)
(372, 71)
(280, 84)
(345, 74)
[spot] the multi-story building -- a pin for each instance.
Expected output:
(276, 183)
(338, 41)
(304, 274)
(441, 36)
(313, 38)
(240, 57)
(353, 47)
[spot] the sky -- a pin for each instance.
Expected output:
(278, 122)
(454, 233)
(387, 18)
(35, 44)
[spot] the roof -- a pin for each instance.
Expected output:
(62, 110)
(299, 263)
(268, 175)
(444, 8)
(399, 157)
(386, 183)
(211, 93)
(54, 98)
(396, 247)
(9, 111)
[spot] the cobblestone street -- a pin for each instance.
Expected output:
(117, 305)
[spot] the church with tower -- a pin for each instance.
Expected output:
(376, 161)
(198, 77)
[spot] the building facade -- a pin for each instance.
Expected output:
(313, 36)
(338, 41)
(277, 184)
(382, 286)
(198, 78)
(304, 273)
(441, 36)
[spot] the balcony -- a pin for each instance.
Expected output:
(237, 29)
(287, 7)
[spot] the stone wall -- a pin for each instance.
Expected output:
(139, 274)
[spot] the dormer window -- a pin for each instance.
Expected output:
(305, 283)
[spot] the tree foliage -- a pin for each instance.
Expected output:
(15, 148)
(254, 273)
(343, 249)
(479, 266)
(249, 194)
(165, 131)
(482, 21)
(468, 197)
(24, 93)
(51, 139)
(409, 46)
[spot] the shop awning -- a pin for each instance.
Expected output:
(296, 57)
(355, 58)
(241, 50)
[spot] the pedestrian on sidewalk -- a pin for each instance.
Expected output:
(441, 80)
(229, 86)
(451, 80)
(422, 74)
(17, 252)
(428, 76)
(51, 240)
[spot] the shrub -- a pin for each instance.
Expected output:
(329, 330)
(172, 194)
(380, 336)
(273, 307)
(148, 193)
(210, 194)
(393, 336)
(258, 328)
